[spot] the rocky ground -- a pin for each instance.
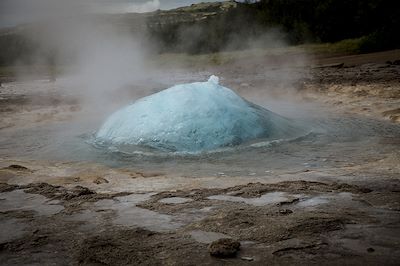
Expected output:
(68, 213)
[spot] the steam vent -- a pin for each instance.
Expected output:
(192, 117)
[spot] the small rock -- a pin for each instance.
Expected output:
(100, 180)
(285, 211)
(247, 258)
(80, 191)
(224, 247)
(16, 167)
(370, 250)
(287, 202)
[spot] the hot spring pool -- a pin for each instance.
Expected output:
(193, 118)
(325, 139)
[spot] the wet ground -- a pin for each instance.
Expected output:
(328, 196)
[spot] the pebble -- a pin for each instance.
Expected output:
(224, 247)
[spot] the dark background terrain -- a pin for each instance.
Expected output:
(358, 26)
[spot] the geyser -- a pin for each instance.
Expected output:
(192, 118)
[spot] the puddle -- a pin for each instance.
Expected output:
(11, 229)
(175, 200)
(135, 198)
(18, 200)
(361, 238)
(129, 200)
(91, 219)
(127, 214)
(312, 202)
(268, 198)
(345, 199)
(138, 217)
(206, 237)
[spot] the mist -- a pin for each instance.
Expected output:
(106, 65)
(86, 56)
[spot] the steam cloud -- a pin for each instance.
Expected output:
(103, 58)
(96, 57)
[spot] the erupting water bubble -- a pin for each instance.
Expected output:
(192, 118)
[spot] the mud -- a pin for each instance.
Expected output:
(333, 199)
(267, 233)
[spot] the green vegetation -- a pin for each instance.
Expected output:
(374, 22)
(371, 25)
(348, 46)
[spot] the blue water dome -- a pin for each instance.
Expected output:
(192, 117)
